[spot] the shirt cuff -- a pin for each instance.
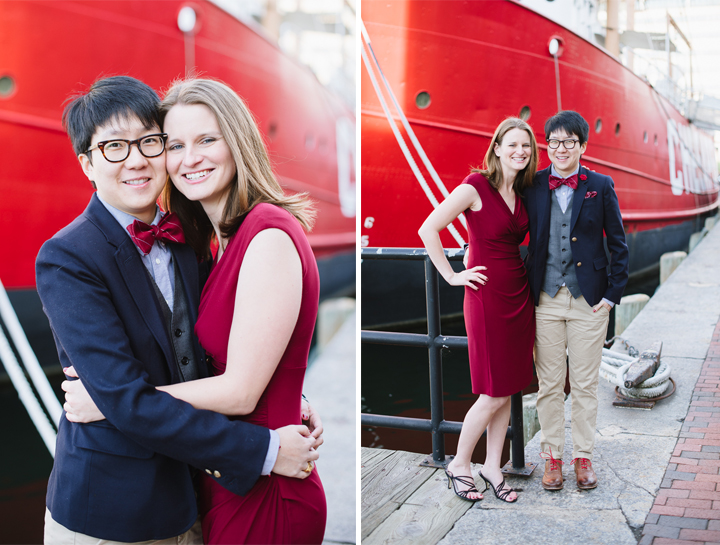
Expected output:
(608, 302)
(272, 453)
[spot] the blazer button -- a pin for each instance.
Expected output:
(579, 264)
(208, 472)
(178, 332)
(216, 474)
(185, 360)
(574, 239)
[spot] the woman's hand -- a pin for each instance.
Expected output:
(311, 419)
(468, 277)
(79, 406)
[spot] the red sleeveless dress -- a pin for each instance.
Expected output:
(499, 316)
(277, 509)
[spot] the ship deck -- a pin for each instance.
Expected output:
(659, 469)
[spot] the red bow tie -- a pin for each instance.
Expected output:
(144, 235)
(556, 182)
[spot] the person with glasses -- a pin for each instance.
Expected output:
(572, 210)
(121, 292)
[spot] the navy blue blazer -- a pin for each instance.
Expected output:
(594, 209)
(127, 478)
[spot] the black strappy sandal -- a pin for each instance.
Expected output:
(504, 492)
(467, 481)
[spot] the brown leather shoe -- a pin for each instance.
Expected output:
(586, 478)
(553, 479)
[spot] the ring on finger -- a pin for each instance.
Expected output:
(309, 467)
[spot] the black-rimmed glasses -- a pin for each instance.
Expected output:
(568, 144)
(117, 151)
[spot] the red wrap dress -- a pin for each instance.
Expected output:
(277, 509)
(499, 316)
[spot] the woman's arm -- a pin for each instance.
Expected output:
(267, 305)
(463, 197)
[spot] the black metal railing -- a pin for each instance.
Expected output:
(435, 343)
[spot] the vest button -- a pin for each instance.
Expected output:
(564, 225)
(574, 239)
(178, 332)
(216, 474)
(563, 249)
(563, 263)
(564, 238)
(185, 360)
(579, 264)
(208, 472)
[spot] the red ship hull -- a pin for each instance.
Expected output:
(52, 49)
(477, 63)
(483, 61)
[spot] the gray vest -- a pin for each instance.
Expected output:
(179, 328)
(559, 267)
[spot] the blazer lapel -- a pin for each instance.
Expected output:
(136, 279)
(578, 199)
(138, 284)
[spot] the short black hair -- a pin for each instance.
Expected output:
(569, 121)
(115, 97)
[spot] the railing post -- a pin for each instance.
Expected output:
(517, 444)
(432, 294)
(437, 424)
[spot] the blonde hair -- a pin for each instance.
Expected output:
(492, 168)
(254, 182)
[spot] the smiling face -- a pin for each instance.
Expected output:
(199, 160)
(565, 161)
(134, 184)
(514, 152)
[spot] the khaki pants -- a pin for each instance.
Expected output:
(567, 323)
(57, 534)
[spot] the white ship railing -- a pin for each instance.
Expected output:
(46, 428)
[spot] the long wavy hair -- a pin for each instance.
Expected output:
(254, 181)
(492, 169)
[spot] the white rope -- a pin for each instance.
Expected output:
(37, 415)
(614, 367)
(411, 134)
(403, 146)
(37, 375)
(557, 82)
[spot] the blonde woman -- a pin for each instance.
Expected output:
(498, 307)
(259, 305)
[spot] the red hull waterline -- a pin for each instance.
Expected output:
(54, 48)
(459, 68)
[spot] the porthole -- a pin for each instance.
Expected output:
(598, 125)
(645, 137)
(309, 141)
(422, 100)
(617, 129)
(7, 86)
(525, 113)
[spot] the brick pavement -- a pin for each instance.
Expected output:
(687, 506)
